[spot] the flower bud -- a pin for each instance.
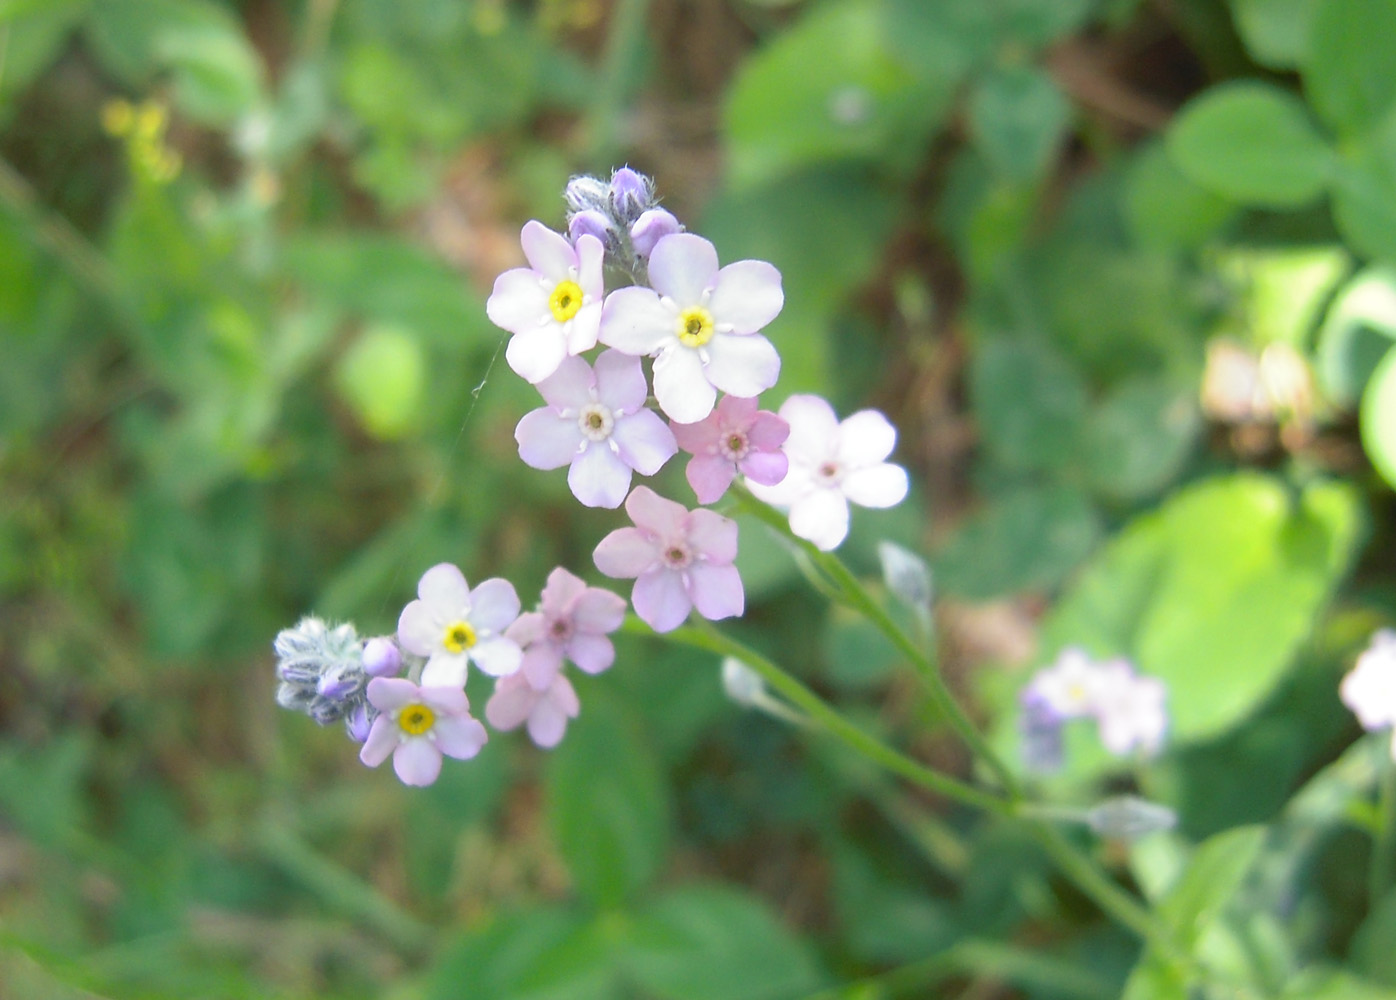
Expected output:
(631, 194)
(1128, 817)
(906, 575)
(650, 228)
(742, 684)
(585, 192)
(357, 724)
(589, 222)
(382, 658)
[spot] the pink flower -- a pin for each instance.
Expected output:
(546, 711)
(831, 464)
(735, 436)
(700, 323)
(553, 306)
(680, 560)
(572, 621)
(417, 725)
(452, 625)
(1369, 689)
(596, 420)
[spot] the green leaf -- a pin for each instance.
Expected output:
(718, 943)
(1371, 946)
(217, 73)
(1165, 209)
(34, 37)
(1364, 193)
(1283, 290)
(1276, 32)
(1137, 440)
(1358, 330)
(607, 806)
(1348, 76)
(1378, 418)
(1251, 142)
(1018, 118)
(1213, 874)
(1029, 403)
(1213, 592)
(1334, 984)
(381, 377)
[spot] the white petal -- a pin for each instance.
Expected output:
(548, 252)
(747, 295)
(634, 321)
(445, 670)
(598, 478)
(744, 365)
(569, 387)
(497, 657)
(881, 485)
(865, 438)
(645, 442)
(591, 254)
(585, 327)
(518, 301)
(822, 517)
(814, 427)
(620, 381)
(494, 605)
(535, 354)
(444, 591)
(681, 387)
(683, 266)
(547, 441)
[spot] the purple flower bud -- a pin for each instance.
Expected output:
(382, 657)
(631, 193)
(650, 228)
(357, 724)
(336, 685)
(1040, 734)
(589, 222)
(585, 192)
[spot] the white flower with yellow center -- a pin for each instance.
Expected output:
(553, 306)
(452, 626)
(700, 324)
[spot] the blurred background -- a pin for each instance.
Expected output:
(1087, 254)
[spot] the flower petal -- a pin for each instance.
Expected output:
(591, 653)
(444, 591)
(683, 266)
(744, 365)
(747, 295)
(881, 485)
(417, 762)
(813, 427)
(597, 610)
(560, 590)
(382, 741)
(548, 252)
(796, 484)
(766, 430)
(645, 442)
(626, 553)
(444, 700)
(547, 724)
(546, 440)
(526, 629)
(865, 438)
(519, 301)
(716, 590)
(581, 332)
(654, 513)
(541, 662)
(681, 386)
(511, 703)
(620, 381)
(494, 604)
(661, 599)
(598, 477)
(765, 467)
(713, 536)
(634, 321)
(702, 437)
(535, 354)
(460, 736)
(418, 630)
(497, 657)
(445, 670)
(822, 517)
(710, 475)
(568, 388)
(591, 256)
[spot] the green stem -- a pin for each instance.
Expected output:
(622, 45)
(1384, 836)
(858, 597)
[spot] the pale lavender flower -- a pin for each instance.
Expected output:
(1070, 688)
(516, 701)
(831, 464)
(358, 723)
(736, 436)
(680, 560)
(416, 725)
(572, 620)
(553, 306)
(452, 625)
(1131, 711)
(1039, 733)
(1369, 689)
(700, 323)
(597, 422)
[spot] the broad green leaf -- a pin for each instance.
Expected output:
(1018, 118)
(1364, 193)
(1251, 142)
(1165, 209)
(1335, 984)
(886, 918)
(1348, 76)
(718, 943)
(1276, 32)
(1138, 438)
(607, 806)
(1213, 874)
(1371, 946)
(859, 654)
(126, 35)
(1283, 290)
(1358, 330)
(217, 73)
(34, 36)
(1379, 417)
(1213, 592)
(381, 377)
(1029, 402)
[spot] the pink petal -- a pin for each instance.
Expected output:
(661, 600)
(747, 295)
(683, 266)
(765, 467)
(561, 589)
(822, 517)
(625, 553)
(417, 630)
(417, 761)
(645, 441)
(598, 478)
(865, 438)
(548, 252)
(620, 381)
(460, 737)
(681, 386)
(445, 670)
(511, 703)
(716, 590)
(591, 653)
(528, 628)
(744, 365)
(535, 354)
(634, 321)
(388, 694)
(766, 430)
(710, 475)
(882, 485)
(813, 426)
(597, 610)
(493, 605)
(737, 412)
(713, 536)
(518, 301)
(541, 663)
(547, 724)
(497, 657)
(654, 513)
(382, 740)
(444, 591)
(701, 437)
(444, 700)
(546, 440)
(568, 388)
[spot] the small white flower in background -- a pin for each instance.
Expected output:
(1071, 686)
(1131, 711)
(1369, 689)
(831, 465)
(452, 626)
(553, 306)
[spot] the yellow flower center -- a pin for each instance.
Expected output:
(416, 719)
(459, 637)
(565, 301)
(695, 326)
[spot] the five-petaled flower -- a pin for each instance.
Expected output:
(572, 621)
(680, 560)
(832, 463)
(546, 709)
(735, 437)
(452, 625)
(417, 725)
(553, 306)
(700, 323)
(597, 421)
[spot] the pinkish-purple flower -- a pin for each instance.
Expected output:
(553, 306)
(452, 625)
(736, 436)
(572, 620)
(680, 560)
(516, 701)
(416, 725)
(700, 323)
(597, 422)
